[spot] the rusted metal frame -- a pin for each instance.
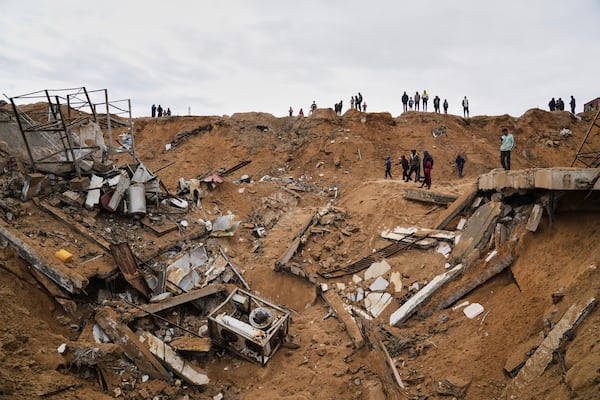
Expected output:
(583, 142)
(51, 105)
(16, 111)
(69, 138)
(89, 102)
(108, 124)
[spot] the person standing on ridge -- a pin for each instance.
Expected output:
(410, 104)
(552, 104)
(436, 104)
(153, 110)
(460, 163)
(417, 100)
(445, 106)
(301, 113)
(388, 167)
(465, 104)
(404, 102)
(425, 98)
(160, 110)
(507, 143)
(572, 104)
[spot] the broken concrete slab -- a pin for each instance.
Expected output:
(408, 308)
(428, 196)
(379, 284)
(375, 303)
(93, 194)
(124, 337)
(534, 218)
(476, 281)
(67, 278)
(478, 230)
(183, 368)
(541, 178)
(456, 207)
(377, 269)
(537, 363)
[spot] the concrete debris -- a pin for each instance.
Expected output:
(377, 269)
(473, 310)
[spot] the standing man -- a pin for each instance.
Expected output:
(425, 98)
(153, 110)
(445, 106)
(388, 167)
(507, 143)
(404, 102)
(405, 168)
(436, 104)
(572, 104)
(552, 104)
(415, 165)
(460, 163)
(465, 104)
(417, 98)
(160, 110)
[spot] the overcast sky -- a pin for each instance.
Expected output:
(222, 57)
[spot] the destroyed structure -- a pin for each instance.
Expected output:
(161, 312)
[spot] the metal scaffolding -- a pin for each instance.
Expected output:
(65, 111)
(587, 154)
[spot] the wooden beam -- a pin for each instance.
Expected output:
(175, 301)
(428, 196)
(336, 304)
(456, 207)
(124, 337)
(476, 281)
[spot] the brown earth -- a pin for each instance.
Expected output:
(338, 161)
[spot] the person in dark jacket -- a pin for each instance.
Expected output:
(415, 165)
(405, 168)
(404, 102)
(427, 167)
(552, 104)
(388, 167)
(460, 163)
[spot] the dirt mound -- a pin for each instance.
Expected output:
(297, 166)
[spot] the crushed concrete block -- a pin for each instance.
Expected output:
(379, 284)
(36, 184)
(473, 310)
(79, 184)
(375, 303)
(72, 198)
(377, 269)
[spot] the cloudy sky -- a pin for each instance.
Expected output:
(222, 57)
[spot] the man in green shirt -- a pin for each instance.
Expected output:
(507, 143)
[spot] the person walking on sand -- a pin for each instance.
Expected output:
(405, 168)
(460, 163)
(388, 167)
(507, 143)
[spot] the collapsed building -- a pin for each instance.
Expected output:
(118, 210)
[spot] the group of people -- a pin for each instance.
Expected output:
(412, 165)
(160, 111)
(409, 101)
(357, 103)
(559, 105)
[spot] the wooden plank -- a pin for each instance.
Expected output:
(126, 262)
(175, 301)
(336, 304)
(73, 225)
(190, 373)
(124, 337)
(67, 278)
(408, 308)
(202, 344)
(456, 207)
(428, 196)
(475, 282)
(537, 363)
(159, 228)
